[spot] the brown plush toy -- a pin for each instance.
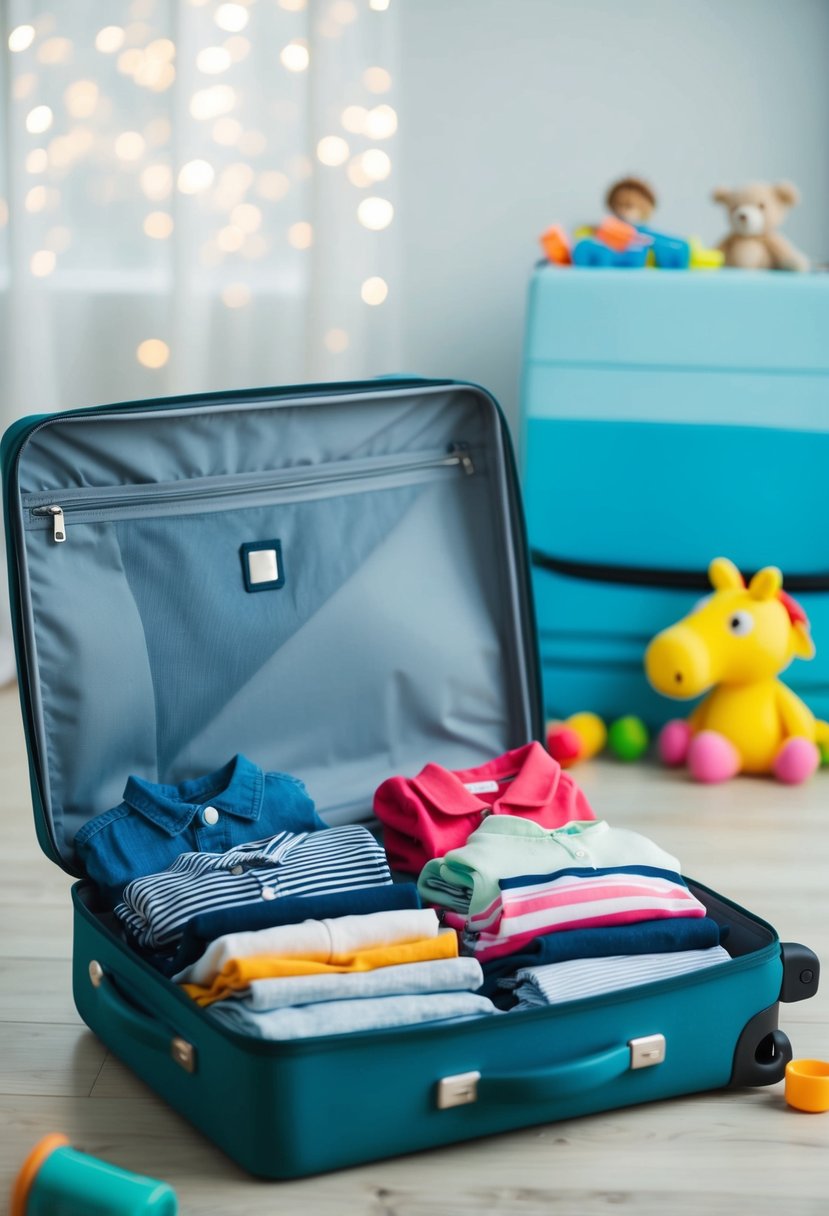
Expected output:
(631, 200)
(755, 212)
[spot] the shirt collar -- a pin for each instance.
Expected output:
(236, 789)
(534, 779)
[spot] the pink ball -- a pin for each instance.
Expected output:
(712, 757)
(563, 743)
(796, 761)
(674, 740)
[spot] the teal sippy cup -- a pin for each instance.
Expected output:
(57, 1180)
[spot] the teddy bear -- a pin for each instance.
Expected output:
(755, 212)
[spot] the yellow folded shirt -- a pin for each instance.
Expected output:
(238, 973)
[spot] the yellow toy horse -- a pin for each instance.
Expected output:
(735, 642)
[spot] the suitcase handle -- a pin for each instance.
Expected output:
(562, 1080)
(137, 1025)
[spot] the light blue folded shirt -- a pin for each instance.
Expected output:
(436, 976)
(346, 1017)
(577, 978)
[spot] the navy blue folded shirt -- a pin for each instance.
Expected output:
(642, 937)
(155, 823)
(203, 929)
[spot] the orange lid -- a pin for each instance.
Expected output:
(29, 1169)
(807, 1085)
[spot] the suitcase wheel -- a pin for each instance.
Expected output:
(762, 1051)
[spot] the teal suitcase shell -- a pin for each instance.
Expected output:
(400, 628)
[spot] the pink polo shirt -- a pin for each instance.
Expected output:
(427, 815)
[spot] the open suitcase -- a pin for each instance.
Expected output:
(389, 623)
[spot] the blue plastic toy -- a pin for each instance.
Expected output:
(669, 252)
(590, 252)
(56, 1180)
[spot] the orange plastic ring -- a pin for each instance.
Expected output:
(807, 1085)
(29, 1170)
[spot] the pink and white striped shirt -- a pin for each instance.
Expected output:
(528, 906)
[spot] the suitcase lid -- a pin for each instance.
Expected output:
(330, 579)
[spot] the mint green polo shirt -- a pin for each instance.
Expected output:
(506, 846)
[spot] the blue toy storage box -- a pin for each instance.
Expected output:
(668, 418)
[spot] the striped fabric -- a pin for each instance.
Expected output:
(531, 905)
(155, 909)
(572, 981)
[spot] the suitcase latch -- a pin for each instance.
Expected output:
(183, 1053)
(459, 1090)
(647, 1051)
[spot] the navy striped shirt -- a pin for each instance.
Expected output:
(156, 908)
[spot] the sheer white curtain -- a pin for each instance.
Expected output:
(194, 195)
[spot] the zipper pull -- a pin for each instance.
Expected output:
(461, 450)
(58, 521)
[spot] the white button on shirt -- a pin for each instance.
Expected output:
(268, 893)
(210, 815)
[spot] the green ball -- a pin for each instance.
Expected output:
(628, 738)
(823, 748)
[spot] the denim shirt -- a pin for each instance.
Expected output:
(155, 823)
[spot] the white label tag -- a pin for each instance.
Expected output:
(481, 787)
(263, 566)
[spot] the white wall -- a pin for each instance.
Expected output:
(515, 114)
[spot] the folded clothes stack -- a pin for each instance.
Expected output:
(523, 893)
(282, 928)
(332, 976)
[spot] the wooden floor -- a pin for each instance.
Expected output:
(741, 1152)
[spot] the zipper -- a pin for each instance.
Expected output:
(457, 456)
(667, 579)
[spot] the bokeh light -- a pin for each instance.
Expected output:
(226, 131)
(236, 295)
(375, 213)
(381, 122)
(35, 199)
(43, 263)
(231, 17)
(213, 60)
(21, 37)
(336, 341)
(377, 80)
(109, 39)
(301, 235)
(81, 98)
(246, 216)
(211, 102)
(272, 185)
(157, 181)
(343, 11)
(54, 50)
(130, 145)
(332, 150)
(39, 120)
(158, 225)
(295, 56)
(195, 176)
(152, 352)
(37, 160)
(374, 290)
(354, 118)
